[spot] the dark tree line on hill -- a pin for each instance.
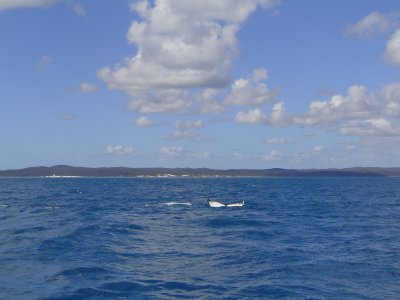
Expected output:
(62, 170)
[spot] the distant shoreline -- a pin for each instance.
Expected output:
(63, 171)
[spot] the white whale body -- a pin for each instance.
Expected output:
(215, 203)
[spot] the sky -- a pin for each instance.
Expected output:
(200, 83)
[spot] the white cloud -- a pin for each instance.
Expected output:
(206, 102)
(180, 134)
(77, 8)
(279, 116)
(44, 62)
(370, 127)
(358, 103)
(144, 121)
(120, 150)
(318, 148)
(87, 88)
(392, 52)
(370, 25)
(238, 156)
(189, 124)
(376, 23)
(390, 99)
(171, 151)
(11, 4)
(69, 117)
(159, 101)
(201, 155)
(252, 116)
(359, 113)
(276, 141)
(259, 75)
(181, 45)
(183, 129)
(274, 155)
(178, 153)
(251, 91)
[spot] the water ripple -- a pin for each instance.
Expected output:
(296, 238)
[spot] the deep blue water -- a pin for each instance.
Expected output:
(295, 238)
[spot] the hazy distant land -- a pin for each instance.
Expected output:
(70, 171)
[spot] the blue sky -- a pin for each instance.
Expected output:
(200, 83)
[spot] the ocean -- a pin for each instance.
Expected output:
(150, 238)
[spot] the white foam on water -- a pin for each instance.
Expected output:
(176, 203)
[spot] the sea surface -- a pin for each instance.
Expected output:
(121, 238)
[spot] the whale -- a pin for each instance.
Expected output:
(215, 203)
(235, 204)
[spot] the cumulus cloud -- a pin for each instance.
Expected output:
(44, 62)
(207, 103)
(372, 24)
(77, 8)
(159, 101)
(370, 127)
(87, 88)
(144, 121)
(279, 117)
(319, 156)
(119, 150)
(392, 52)
(274, 155)
(200, 155)
(275, 141)
(358, 103)
(11, 4)
(251, 91)
(182, 45)
(318, 148)
(189, 124)
(180, 134)
(178, 153)
(376, 23)
(183, 129)
(252, 116)
(359, 113)
(171, 151)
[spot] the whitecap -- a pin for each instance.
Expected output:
(177, 203)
